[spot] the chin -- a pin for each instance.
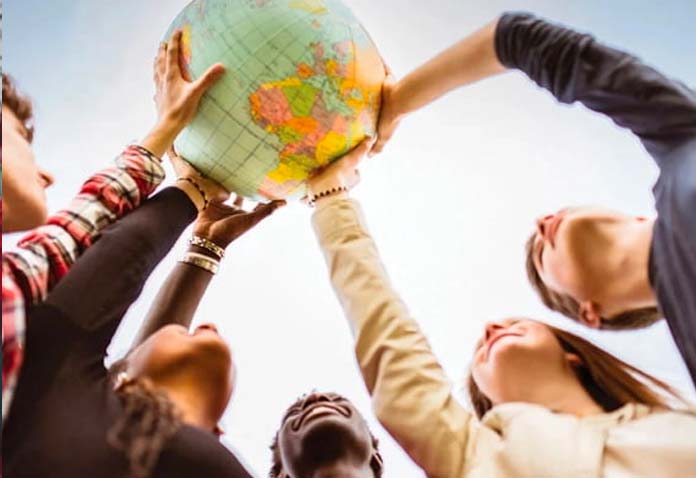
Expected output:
(332, 438)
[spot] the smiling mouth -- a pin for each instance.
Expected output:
(317, 410)
(495, 339)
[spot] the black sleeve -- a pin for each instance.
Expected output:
(575, 67)
(110, 275)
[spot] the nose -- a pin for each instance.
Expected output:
(542, 224)
(492, 328)
(46, 178)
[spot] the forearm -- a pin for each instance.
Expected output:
(111, 274)
(574, 66)
(160, 138)
(411, 394)
(46, 254)
(178, 298)
(466, 62)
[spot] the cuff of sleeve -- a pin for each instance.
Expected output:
(503, 48)
(335, 215)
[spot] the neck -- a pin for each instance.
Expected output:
(344, 470)
(194, 408)
(565, 395)
(628, 284)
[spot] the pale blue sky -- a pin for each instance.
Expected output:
(450, 203)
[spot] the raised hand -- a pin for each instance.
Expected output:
(389, 115)
(176, 95)
(210, 191)
(222, 224)
(342, 173)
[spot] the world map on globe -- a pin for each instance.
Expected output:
(302, 87)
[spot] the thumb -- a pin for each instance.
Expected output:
(208, 79)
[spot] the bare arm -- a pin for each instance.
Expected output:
(466, 62)
(181, 293)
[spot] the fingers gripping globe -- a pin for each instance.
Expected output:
(302, 87)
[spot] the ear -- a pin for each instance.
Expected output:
(589, 314)
(573, 360)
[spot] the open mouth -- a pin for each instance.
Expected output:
(317, 410)
(206, 327)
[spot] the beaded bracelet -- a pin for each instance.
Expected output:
(326, 193)
(200, 260)
(204, 243)
(198, 188)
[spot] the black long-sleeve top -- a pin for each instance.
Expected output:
(64, 403)
(660, 111)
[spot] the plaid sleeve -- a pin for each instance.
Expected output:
(12, 335)
(45, 255)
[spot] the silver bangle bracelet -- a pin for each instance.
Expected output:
(202, 261)
(208, 245)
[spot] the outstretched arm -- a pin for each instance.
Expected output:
(466, 62)
(571, 65)
(179, 296)
(411, 394)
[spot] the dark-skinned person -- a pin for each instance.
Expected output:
(322, 434)
(545, 402)
(603, 268)
(47, 253)
(155, 412)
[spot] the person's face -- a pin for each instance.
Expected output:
(23, 183)
(515, 354)
(202, 359)
(573, 250)
(320, 432)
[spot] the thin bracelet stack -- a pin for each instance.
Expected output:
(326, 193)
(198, 188)
(209, 246)
(201, 260)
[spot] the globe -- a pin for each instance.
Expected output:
(302, 87)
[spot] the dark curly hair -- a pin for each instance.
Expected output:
(376, 463)
(19, 104)
(148, 420)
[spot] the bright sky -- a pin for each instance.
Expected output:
(450, 203)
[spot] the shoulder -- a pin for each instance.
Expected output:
(193, 452)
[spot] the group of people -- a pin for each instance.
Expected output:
(544, 402)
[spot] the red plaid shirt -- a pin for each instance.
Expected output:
(46, 254)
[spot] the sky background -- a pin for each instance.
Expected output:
(450, 203)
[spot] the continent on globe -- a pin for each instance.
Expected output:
(302, 88)
(311, 114)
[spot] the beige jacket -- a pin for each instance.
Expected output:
(413, 398)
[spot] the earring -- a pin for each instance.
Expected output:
(122, 379)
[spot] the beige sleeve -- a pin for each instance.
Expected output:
(411, 394)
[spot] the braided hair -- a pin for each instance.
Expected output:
(148, 420)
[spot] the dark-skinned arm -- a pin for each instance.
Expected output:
(181, 293)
